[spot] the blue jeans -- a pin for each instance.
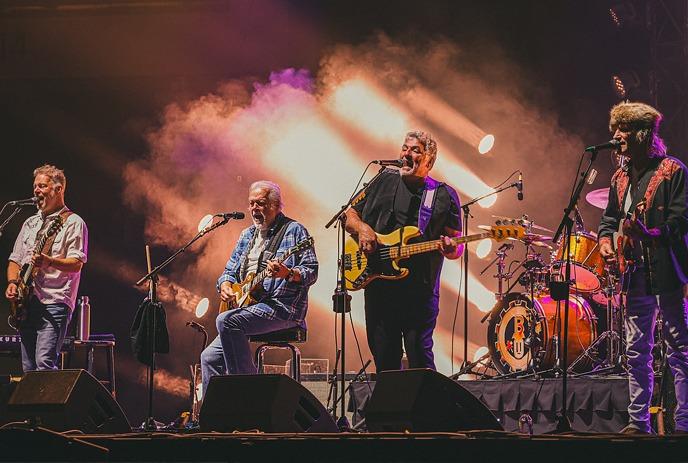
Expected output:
(230, 352)
(42, 334)
(641, 314)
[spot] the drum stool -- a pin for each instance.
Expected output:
(282, 339)
(103, 341)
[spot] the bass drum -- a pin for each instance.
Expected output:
(521, 334)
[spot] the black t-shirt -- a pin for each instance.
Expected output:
(389, 204)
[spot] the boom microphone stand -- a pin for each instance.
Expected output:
(152, 277)
(341, 300)
(466, 208)
(560, 289)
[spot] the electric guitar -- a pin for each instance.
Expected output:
(243, 290)
(624, 243)
(361, 268)
(18, 306)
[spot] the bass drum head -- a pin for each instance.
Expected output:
(512, 321)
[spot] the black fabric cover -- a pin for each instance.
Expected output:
(141, 330)
(594, 404)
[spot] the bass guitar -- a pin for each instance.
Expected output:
(243, 291)
(361, 268)
(18, 306)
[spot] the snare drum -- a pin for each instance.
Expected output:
(520, 332)
(587, 265)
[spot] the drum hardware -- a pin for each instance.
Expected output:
(500, 275)
(614, 361)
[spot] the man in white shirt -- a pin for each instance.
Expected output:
(57, 270)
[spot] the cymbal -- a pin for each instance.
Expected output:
(524, 222)
(598, 198)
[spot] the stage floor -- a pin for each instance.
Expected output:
(21, 445)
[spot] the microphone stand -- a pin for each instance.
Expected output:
(341, 299)
(467, 213)
(559, 290)
(16, 211)
(152, 277)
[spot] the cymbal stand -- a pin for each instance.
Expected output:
(613, 336)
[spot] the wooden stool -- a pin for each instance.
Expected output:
(282, 339)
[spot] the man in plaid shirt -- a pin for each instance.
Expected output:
(282, 299)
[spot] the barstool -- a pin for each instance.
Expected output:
(282, 339)
(104, 341)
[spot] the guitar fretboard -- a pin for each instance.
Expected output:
(428, 246)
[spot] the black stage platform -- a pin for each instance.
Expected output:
(344, 447)
(594, 404)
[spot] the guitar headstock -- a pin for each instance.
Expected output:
(303, 244)
(55, 226)
(502, 232)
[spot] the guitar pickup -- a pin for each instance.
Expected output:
(347, 262)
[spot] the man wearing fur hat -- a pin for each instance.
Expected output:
(647, 200)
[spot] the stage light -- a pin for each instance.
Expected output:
(205, 221)
(486, 144)
(623, 14)
(624, 82)
(202, 307)
(479, 353)
(484, 248)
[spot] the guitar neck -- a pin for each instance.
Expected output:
(428, 246)
(260, 276)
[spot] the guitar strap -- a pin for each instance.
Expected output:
(269, 250)
(427, 202)
(51, 239)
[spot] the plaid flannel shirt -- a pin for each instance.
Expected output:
(281, 299)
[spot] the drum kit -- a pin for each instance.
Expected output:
(525, 327)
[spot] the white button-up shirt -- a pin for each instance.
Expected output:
(53, 286)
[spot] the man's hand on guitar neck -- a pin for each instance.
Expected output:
(636, 230)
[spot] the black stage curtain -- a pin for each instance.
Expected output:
(594, 404)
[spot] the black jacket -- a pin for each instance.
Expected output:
(664, 183)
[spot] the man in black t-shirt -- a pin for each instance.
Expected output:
(407, 309)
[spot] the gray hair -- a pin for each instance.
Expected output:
(56, 175)
(427, 140)
(274, 192)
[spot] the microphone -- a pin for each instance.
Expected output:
(519, 186)
(611, 144)
(24, 202)
(393, 162)
(231, 215)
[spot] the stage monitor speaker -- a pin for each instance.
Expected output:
(422, 400)
(63, 400)
(269, 403)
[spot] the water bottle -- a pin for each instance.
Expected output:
(83, 329)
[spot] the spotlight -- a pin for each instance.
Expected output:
(202, 307)
(205, 221)
(484, 248)
(623, 14)
(624, 82)
(486, 144)
(479, 353)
